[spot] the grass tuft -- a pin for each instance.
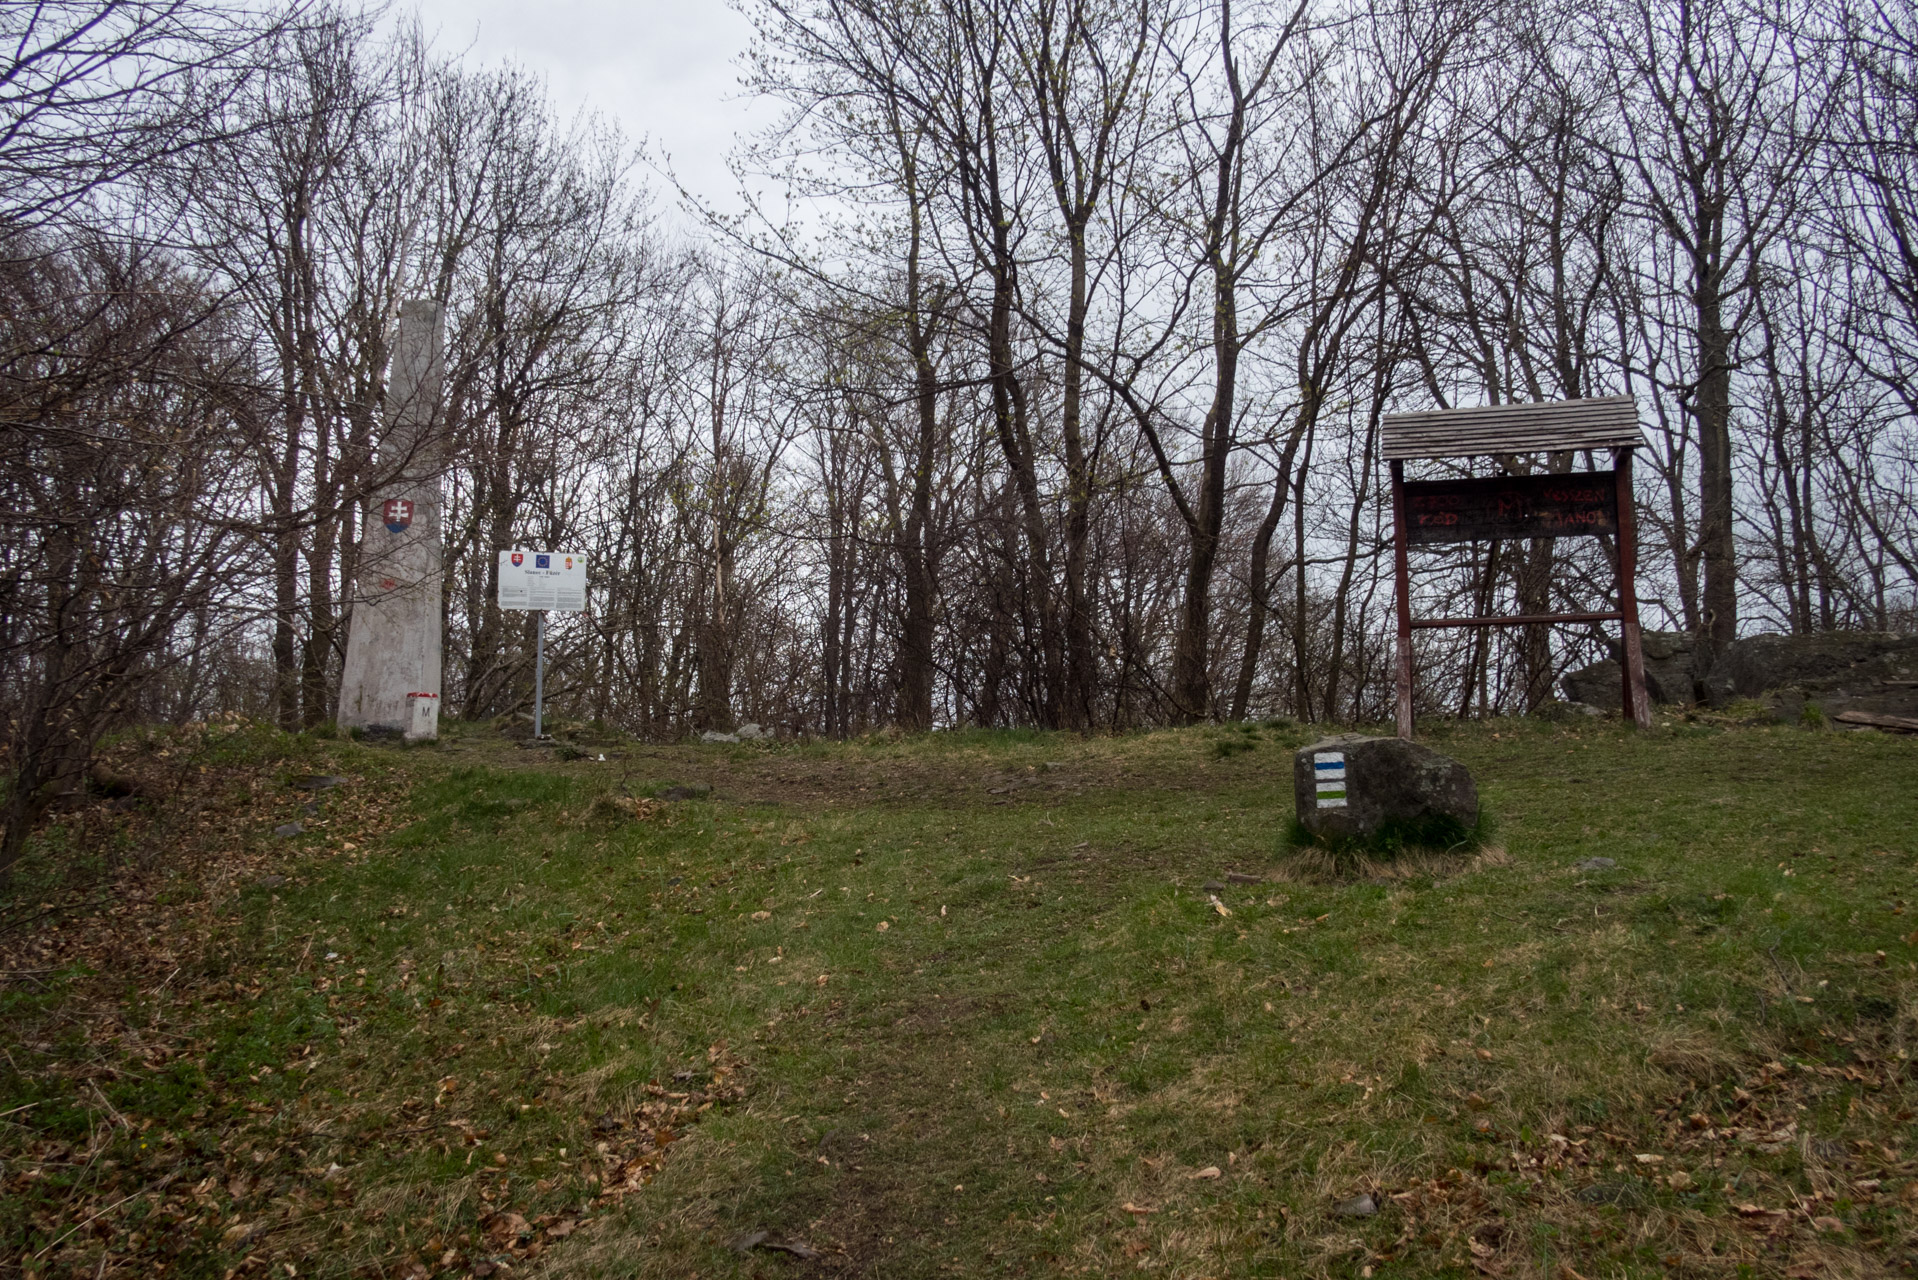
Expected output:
(1439, 837)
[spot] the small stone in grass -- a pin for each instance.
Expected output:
(1597, 864)
(1356, 1207)
(286, 830)
(1211, 886)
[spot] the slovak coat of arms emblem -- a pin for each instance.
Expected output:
(397, 515)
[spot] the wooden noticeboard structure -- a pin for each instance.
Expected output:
(1434, 512)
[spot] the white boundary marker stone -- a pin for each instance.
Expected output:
(423, 716)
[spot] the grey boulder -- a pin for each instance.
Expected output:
(744, 733)
(1836, 671)
(1671, 673)
(1352, 787)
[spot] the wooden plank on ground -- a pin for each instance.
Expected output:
(1897, 724)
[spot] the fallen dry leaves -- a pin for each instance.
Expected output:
(632, 1144)
(638, 808)
(134, 965)
(1557, 1177)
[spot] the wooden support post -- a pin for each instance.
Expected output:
(1402, 573)
(1638, 705)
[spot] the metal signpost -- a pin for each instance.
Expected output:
(539, 581)
(1539, 505)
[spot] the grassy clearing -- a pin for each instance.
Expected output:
(959, 1005)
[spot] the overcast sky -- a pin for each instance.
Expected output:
(664, 70)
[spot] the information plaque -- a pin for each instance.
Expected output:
(1534, 506)
(554, 580)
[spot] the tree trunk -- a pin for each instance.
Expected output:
(1081, 671)
(1719, 594)
(1191, 652)
(1015, 441)
(1259, 588)
(915, 650)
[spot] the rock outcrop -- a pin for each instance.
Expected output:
(1835, 671)
(1671, 674)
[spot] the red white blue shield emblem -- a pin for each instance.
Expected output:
(397, 515)
(518, 559)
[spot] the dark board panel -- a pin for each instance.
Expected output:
(1541, 506)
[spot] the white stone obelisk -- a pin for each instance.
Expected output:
(391, 681)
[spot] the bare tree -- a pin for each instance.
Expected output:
(1709, 102)
(94, 93)
(124, 519)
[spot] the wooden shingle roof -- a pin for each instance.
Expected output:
(1606, 423)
